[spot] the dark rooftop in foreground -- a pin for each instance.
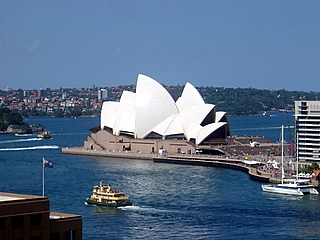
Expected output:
(29, 217)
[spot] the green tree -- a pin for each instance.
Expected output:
(313, 166)
(8, 117)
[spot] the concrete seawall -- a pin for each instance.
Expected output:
(218, 162)
(177, 159)
(104, 153)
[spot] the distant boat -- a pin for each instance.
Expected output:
(296, 187)
(265, 114)
(23, 134)
(44, 135)
(103, 195)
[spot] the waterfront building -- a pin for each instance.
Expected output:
(14, 129)
(102, 94)
(40, 93)
(307, 131)
(64, 95)
(29, 217)
(26, 93)
(150, 121)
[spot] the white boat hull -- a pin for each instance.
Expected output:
(309, 191)
(281, 190)
(297, 187)
(290, 189)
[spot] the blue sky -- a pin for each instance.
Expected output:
(258, 44)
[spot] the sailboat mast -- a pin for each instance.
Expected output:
(297, 156)
(282, 170)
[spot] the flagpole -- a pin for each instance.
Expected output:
(48, 164)
(43, 177)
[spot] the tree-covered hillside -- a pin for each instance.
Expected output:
(8, 117)
(249, 101)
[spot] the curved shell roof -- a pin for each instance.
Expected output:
(152, 110)
(153, 105)
(125, 121)
(189, 97)
(109, 113)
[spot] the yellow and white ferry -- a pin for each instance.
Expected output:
(44, 135)
(103, 195)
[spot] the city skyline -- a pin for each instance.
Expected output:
(232, 44)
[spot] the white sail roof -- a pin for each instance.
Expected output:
(125, 120)
(153, 105)
(170, 126)
(109, 113)
(207, 130)
(193, 130)
(196, 113)
(189, 97)
(152, 109)
(219, 116)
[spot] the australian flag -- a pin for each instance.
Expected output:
(48, 164)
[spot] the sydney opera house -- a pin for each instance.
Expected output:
(150, 121)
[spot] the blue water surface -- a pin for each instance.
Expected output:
(170, 201)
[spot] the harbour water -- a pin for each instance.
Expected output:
(170, 201)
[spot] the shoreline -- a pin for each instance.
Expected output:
(200, 160)
(105, 153)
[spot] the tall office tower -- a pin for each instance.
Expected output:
(307, 130)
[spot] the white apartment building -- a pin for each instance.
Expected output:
(103, 94)
(307, 131)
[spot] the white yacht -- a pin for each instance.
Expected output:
(295, 187)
